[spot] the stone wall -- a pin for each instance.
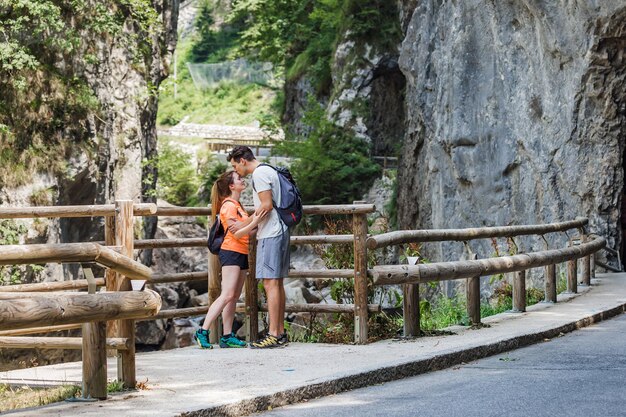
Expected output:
(515, 115)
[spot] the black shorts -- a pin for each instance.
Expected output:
(232, 258)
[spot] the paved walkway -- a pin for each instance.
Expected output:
(194, 382)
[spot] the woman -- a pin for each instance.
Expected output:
(233, 257)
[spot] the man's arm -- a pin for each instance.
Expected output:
(241, 229)
(234, 226)
(266, 203)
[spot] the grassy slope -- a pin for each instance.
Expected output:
(228, 103)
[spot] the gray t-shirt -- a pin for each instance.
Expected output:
(265, 178)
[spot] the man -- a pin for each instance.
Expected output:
(272, 257)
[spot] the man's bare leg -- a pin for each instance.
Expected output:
(275, 290)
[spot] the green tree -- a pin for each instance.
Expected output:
(45, 48)
(331, 165)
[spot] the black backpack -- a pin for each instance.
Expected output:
(216, 235)
(290, 210)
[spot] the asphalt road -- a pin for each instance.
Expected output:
(579, 374)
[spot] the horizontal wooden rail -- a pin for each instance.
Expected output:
(438, 235)
(122, 264)
(293, 273)
(179, 277)
(324, 308)
(202, 242)
(72, 253)
(78, 284)
(241, 308)
(75, 343)
(309, 240)
(40, 330)
(144, 209)
(310, 210)
(171, 243)
(321, 273)
(441, 271)
(27, 310)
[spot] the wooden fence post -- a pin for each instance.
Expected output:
(549, 278)
(472, 293)
(519, 292)
(519, 287)
(359, 227)
(215, 285)
(94, 360)
(252, 295)
(124, 237)
(550, 284)
(110, 276)
(572, 272)
(586, 263)
(592, 265)
(411, 309)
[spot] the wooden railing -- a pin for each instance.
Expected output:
(122, 308)
(410, 276)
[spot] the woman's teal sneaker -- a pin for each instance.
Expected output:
(202, 338)
(231, 341)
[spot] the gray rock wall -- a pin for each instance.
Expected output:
(515, 115)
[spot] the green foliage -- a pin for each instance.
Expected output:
(115, 386)
(11, 233)
(212, 45)
(302, 35)
(44, 50)
(177, 181)
(330, 153)
(227, 103)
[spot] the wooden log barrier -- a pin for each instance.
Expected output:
(179, 277)
(572, 276)
(438, 235)
(519, 291)
(550, 278)
(25, 310)
(40, 330)
(94, 355)
(441, 271)
(124, 237)
(201, 242)
(359, 227)
(472, 294)
(78, 284)
(251, 295)
(70, 343)
(242, 308)
(144, 209)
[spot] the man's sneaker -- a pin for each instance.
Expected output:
(283, 339)
(268, 342)
(202, 338)
(231, 341)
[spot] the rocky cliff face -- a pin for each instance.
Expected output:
(515, 114)
(124, 131)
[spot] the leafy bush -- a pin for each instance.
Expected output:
(331, 165)
(178, 182)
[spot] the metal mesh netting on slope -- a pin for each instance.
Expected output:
(209, 75)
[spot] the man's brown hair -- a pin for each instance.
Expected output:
(239, 152)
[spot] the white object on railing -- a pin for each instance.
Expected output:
(412, 260)
(137, 284)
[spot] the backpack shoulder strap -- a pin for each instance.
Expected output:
(263, 164)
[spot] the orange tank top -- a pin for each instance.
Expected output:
(231, 209)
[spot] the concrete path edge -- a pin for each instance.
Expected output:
(392, 373)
